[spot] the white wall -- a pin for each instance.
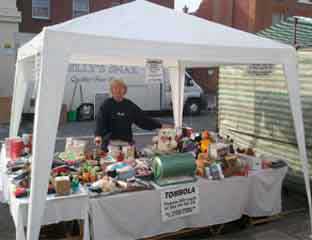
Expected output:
(9, 20)
(22, 38)
(7, 30)
(7, 69)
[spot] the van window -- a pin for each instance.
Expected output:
(188, 81)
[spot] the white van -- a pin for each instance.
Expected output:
(86, 81)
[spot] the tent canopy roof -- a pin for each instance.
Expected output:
(147, 23)
(142, 20)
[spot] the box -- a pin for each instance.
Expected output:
(254, 163)
(5, 106)
(62, 185)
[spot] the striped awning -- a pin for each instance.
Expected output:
(285, 30)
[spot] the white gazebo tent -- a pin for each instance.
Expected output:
(129, 34)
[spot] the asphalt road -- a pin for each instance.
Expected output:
(206, 120)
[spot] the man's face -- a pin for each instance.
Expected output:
(118, 92)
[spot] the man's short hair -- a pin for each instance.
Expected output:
(119, 82)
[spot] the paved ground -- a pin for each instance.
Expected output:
(292, 225)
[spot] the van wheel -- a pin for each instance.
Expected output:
(192, 107)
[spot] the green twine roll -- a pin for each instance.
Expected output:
(174, 165)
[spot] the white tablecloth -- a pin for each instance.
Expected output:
(138, 214)
(4, 189)
(57, 209)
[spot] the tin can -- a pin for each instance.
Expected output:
(27, 140)
(16, 148)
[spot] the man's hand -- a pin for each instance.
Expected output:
(98, 141)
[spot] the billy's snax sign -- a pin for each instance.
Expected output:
(179, 201)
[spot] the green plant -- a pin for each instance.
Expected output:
(7, 45)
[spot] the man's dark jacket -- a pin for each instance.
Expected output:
(114, 120)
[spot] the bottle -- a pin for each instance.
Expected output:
(232, 150)
(120, 156)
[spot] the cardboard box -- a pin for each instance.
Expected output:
(5, 109)
(62, 185)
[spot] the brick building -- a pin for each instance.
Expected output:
(39, 13)
(286, 8)
(247, 15)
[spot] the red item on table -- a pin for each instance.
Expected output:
(120, 157)
(266, 164)
(60, 169)
(15, 148)
(20, 192)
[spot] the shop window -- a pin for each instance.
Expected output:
(80, 7)
(41, 9)
(188, 80)
(116, 2)
(277, 17)
(305, 1)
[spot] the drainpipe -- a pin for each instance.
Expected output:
(295, 33)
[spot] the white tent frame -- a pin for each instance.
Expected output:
(57, 51)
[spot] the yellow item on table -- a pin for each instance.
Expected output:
(205, 142)
(204, 145)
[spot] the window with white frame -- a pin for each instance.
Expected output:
(41, 9)
(80, 7)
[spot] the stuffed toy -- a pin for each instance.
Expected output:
(165, 142)
(202, 162)
(205, 142)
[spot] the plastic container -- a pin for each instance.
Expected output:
(72, 116)
(15, 148)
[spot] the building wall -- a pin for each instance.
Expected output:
(246, 15)
(260, 15)
(250, 15)
(241, 14)
(7, 33)
(303, 10)
(292, 8)
(62, 11)
(208, 82)
(9, 20)
(7, 67)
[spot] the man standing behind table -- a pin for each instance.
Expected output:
(116, 116)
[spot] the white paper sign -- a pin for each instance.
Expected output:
(179, 202)
(154, 72)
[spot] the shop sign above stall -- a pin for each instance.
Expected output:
(260, 69)
(79, 73)
(154, 72)
(179, 201)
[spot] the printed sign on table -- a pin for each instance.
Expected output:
(154, 72)
(179, 202)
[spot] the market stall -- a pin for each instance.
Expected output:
(129, 35)
(181, 181)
